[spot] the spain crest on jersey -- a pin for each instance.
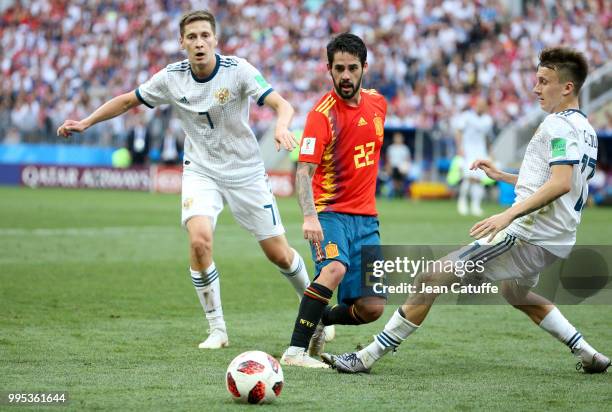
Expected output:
(222, 95)
(331, 250)
(378, 126)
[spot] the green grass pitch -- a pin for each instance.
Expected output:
(96, 300)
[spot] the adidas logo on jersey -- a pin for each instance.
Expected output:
(362, 122)
(183, 100)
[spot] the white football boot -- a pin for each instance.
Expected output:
(216, 340)
(295, 356)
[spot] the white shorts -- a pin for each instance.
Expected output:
(507, 257)
(253, 206)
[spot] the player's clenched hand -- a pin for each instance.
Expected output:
(488, 167)
(491, 226)
(69, 127)
(285, 139)
(312, 229)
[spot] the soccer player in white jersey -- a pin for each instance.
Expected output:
(473, 126)
(517, 244)
(210, 94)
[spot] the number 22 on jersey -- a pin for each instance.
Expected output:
(363, 153)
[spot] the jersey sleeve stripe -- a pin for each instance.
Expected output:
(139, 96)
(324, 108)
(323, 103)
(261, 99)
(564, 162)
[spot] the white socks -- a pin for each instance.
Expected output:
(297, 274)
(396, 331)
(557, 325)
(208, 289)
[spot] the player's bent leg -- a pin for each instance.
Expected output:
(331, 275)
(200, 230)
(205, 279)
(293, 268)
(288, 261)
(369, 308)
(316, 297)
(521, 297)
(548, 317)
(254, 208)
(359, 311)
(417, 305)
(402, 324)
(397, 329)
(364, 310)
(277, 251)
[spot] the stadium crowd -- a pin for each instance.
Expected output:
(61, 59)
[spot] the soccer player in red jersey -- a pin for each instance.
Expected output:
(336, 184)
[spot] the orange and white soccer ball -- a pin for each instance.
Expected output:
(254, 377)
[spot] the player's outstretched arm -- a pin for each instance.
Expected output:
(284, 112)
(303, 182)
(493, 172)
(112, 108)
(560, 183)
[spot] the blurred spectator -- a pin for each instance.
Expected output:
(5, 118)
(172, 143)
(397, 164)
(61, 59)
(138, 140)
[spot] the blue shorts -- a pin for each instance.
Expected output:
(343, 237)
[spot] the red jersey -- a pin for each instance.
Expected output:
(345, 142)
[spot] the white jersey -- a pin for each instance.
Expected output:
(214, 113)
(567, 138)
(474, 129)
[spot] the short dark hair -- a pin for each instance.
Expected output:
(348, 43)
(570, 65)
(196, 16)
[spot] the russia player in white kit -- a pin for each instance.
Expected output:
(210, 94)
(473, 127)
(517, 244)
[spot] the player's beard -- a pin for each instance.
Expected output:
(355, 87)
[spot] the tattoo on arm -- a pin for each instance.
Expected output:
(303, 183)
